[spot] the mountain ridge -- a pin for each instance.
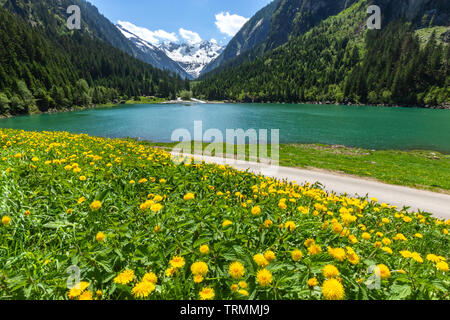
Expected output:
(341, 61)
(155, 56)
(278, 22)
(186, 59)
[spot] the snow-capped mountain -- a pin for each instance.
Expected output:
(193, 58)
(153, 54)
(187, 59)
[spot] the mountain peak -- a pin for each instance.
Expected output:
(193, 58)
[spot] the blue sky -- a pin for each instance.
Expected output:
(184, 20)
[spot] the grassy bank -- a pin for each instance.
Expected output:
(429, 170)
(146, 100)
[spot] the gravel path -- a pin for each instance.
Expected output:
(436, 203)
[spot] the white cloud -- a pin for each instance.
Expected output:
(229, 24)
(190, 37)
(154, 37)
(213, 41)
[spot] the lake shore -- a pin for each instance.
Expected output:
(145, 100)
(443, 107)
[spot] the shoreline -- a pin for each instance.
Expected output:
(444, 107)
(131, 102)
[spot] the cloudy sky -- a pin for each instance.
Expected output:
(181, 20)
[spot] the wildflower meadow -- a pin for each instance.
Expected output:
(88, 218)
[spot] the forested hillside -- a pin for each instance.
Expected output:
(42, 68)
(273, 26)
(341, 61)
(52, 15)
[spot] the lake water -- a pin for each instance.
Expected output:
(359, 126)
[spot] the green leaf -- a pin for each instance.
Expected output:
(400, 292)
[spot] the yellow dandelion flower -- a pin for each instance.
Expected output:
(382, 271)
(366, 236)
(207, 294)
(125, 277)
(189, 196)
(314, 249)
(77, 290)
(143, 289)
(150, 277)
(100, 237)
(86, 296)
(290, 225)
(264, 277)
(406, 254)
(352, 239)
(243, 292)
(387, 250)
(338, 253)
(353, 258)
(332, 289)
(442, 266)
(309, 242)
(270, 256)
(204, 249)
(297, 255)
(199, 268)
(260, 260)
(337, 227)
(330, 271)
(416, 257)
(313, 282)
(156, 207)
(268, 223)
(177, 262)
(256, 211)
(6, 220)
(226, 223)
(433, 258)
(170, 272)
(236, 270)
(96, 205)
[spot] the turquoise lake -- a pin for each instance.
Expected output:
(355, 126)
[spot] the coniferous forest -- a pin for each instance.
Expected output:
(388, 66)
(41, 68)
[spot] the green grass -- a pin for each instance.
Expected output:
(146, 100)
(429, 170)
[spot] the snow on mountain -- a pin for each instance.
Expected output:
(193, 58)
(187, 59)
(153, 54)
